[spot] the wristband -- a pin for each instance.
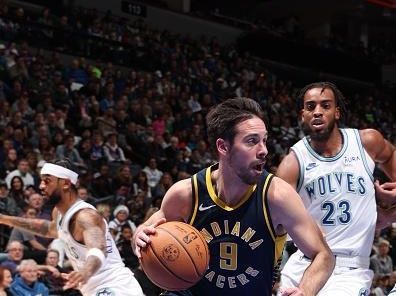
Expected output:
(97, 253)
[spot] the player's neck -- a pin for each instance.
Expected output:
(228, 186)
(331, 146)
(66, 203)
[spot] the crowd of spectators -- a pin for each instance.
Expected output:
(131, 132)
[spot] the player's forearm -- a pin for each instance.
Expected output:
(317, 274)
(91, 266)
(39, 227)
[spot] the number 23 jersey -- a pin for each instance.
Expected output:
(339, 193)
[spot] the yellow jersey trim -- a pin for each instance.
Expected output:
(195, 198)
(217, 200)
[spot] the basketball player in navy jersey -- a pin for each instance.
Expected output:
(243, 212)
(332, 169)
(98, 267)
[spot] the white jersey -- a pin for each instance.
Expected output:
(111, 270)
(339, 193)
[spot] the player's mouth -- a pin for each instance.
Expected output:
(318, 123)
(259, 167)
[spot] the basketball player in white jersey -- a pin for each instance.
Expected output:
(98, 267)
(332, 169)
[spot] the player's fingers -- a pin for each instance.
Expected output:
(65, 276)
(389, 185)
(160, 221)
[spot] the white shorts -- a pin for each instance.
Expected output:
(344, 281)
(124, 285)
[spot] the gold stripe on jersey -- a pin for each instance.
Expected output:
(279, 246)
(217, 200)
(195, 199)
(279, 241)
(265, 210)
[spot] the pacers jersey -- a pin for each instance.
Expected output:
(244, 249)
(77, 252)
(339, 193)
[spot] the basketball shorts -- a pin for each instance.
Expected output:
(120, 282)
(344, 281)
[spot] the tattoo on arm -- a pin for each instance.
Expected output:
(93, 231)
(39, 227)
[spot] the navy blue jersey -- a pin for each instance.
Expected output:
(244, 249)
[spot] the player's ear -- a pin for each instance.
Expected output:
(221, 146)
(301, 115)
(337, 113)
(66, 184)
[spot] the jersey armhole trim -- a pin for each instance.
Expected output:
(363, 154)
(194, 201)
(301, 167)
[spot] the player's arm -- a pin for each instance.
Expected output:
(39, 227)
(288, 169)
(288, 213)
(92, 227)
(176, 206)
(384, 154)
(381, 151)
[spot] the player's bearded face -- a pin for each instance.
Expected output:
(319, 135)
(244, 171)
(55, 198)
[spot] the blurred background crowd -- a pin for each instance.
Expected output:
(126, 103)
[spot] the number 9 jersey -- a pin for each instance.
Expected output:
(244, 249)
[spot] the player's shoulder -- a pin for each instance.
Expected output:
(371, 138)
(181, 188)
(289, 169)
(88, 215)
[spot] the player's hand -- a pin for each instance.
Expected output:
(294, 291)
(385, 193)
(142, 236)
(74, 279)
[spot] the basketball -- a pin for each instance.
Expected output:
(177, 257)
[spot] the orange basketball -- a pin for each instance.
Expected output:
(177, 257)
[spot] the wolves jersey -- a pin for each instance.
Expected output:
(244, 248)
(339, 193)
(76, 252)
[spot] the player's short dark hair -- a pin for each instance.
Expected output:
(339, 97)
(222, 119)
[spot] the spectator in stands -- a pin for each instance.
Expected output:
(123, 175)
(121, 218)
(16, 192)
(140, 182)
(54, 281)
(113, 153)
(26, 282)
(153, 174)
(125, 247)
(162, 187)
(7, 204)
(106, 123)
(23, 172)
(15, 255)
(102, 183)
(5, 281)
(36, 201)
(381, 263)
(67, 150)
(9, 164)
